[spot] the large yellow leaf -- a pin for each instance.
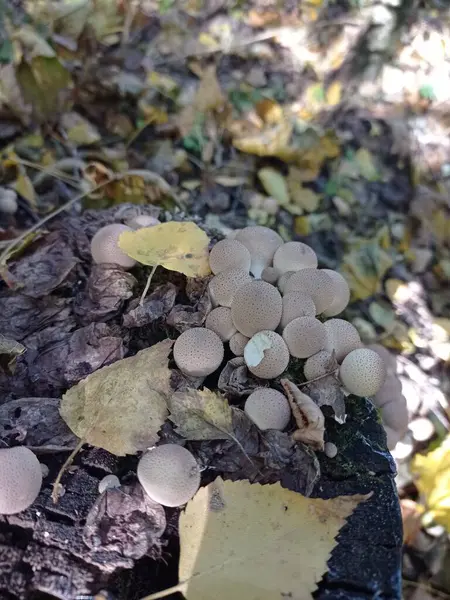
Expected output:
(364, 269)
(178, 246)
(432, 472)
(258, 542)
(121, 407)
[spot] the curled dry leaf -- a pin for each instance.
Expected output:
(308, 416)
(221, 559)
(177, 246)
(121, 407)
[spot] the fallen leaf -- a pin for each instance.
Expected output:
(366, 165)
(201, 415)
(364, 268)
(382, 314)
(121, 407)
(78, 129)
(432, 478)
(308, 416)
(241, 540)
(24, 187)
(177, 246)
(11, 93)
(32, 44)
(274, 184)
(303, 198)
(334, 93)
(270, 141)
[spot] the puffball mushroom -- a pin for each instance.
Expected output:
(20, 479)
(341, 293)
(169, 474)
(237, 343)
(219, 320)
(229, 254)
(268, 409)
(392, 437)
(282, 281)
(262, 243)
(256, 306)
(395, 414)
(304, 336)
(342, 337)
(224, 285)
(105, 246)
(317, 365)
(198, 352)
(143, 221)
(296, 304)
(391, 388)
(362, 372)
(315, 283)
(293, 256)
(270, 275)
(266, 355)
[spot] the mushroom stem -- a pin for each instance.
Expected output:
(180, 587)
(67, 463)
(147, 285)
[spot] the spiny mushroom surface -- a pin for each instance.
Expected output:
(169, 474)
(105, 246)
(318, 365)
(224, 285)
(296, 304)
(342, 337)
(266, 355)
(198, 352)
(341, 293)
(315, 283)
(293, 256)
(362, 372)
(255, 307)
(20, 479)
(268, 409)
(229, 254)
(237, 343)
(262, 243)
(219, 320)
(304, 336)
(282, 281)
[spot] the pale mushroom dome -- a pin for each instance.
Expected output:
(198, 352)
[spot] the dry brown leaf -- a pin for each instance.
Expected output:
(121, 407)
(258, 542)
(308, 416)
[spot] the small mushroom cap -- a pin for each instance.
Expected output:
(389, 358)
(392, 437)
(296, 304)
(105, 246)
(270, 275)
(198, 352)
(274, 352)
(305, 336)
(293, 256)
(390, 390)
(143, 221)
(362, 372)
(255, 307)
(395, 414)
(268, 409)
(169, 474)
(315, 283)
(229, 254)
(108, 483)
(20, 479)
(224, 285)
(341, 293)
(330, 449)
(318, 364)
(237, 343)
(282, 281)
(342, 337)
(262, 243)
(219, 320)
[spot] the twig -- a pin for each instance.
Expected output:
(67, 463)
(147, 285)
(333, 372)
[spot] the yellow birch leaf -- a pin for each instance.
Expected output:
(334, 93)
(24, 187)
(121, 407)
(177, 246)
(274, 184)
(364, 268)
(270, 141)
(258, 542)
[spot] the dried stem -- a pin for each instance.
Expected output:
(147, 285)
(67, 463)
(164, 593)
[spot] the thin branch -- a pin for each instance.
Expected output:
(67, 463)
(147, 285)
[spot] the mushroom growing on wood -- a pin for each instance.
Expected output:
(262, 243)
(229, 254)
(20, 479)
(224, 285)
(169, 474)
(219, 320)
(342, 337)
(395, 414)
(266, 355)
(315, 283)
(198, 352)
(293, 256)
(304, 336)
(268, 409)
(105, 246)
(362, 372)
(256, 306)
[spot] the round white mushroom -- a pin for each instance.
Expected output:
(105, 246)
(304, 336)
(342, 337)
(282, 281)
(268, 409)
(315, 283)
(169, 474)
(229, 254)
(255, 307)
(237, 343)
(262, 244)
(270, 275)
(362, 372)
(219, 320)
(266, 355)
(296, 304)
(293, 256)
(330, 449)
(341, 293)
(224, 285)
(20, 479)
(395, 414)
(198, 352)
(318, 365)
(390, 390)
